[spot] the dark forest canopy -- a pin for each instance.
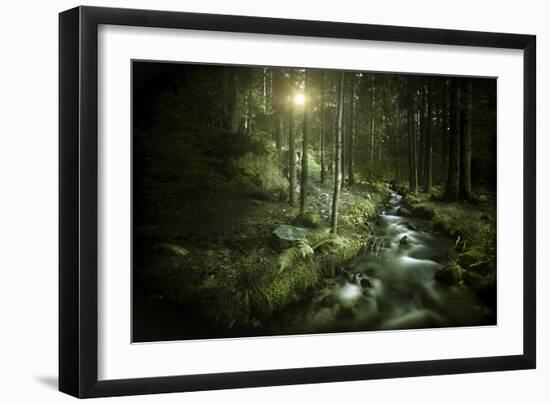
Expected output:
(426, 130)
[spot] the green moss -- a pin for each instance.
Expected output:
(308, 219)
(289, 286)
(423, 211)
(412, 199)
(471, 257)
(261, 175)
(403, 211)
(450, 274)
(359, 211)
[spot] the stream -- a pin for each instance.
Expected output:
(388, 286)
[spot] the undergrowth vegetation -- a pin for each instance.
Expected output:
(243, 288)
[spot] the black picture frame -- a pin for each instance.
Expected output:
(78, 201)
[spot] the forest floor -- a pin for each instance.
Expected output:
(235, 272)
(231, 272)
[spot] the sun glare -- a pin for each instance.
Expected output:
(299, 99)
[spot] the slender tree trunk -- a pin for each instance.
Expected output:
(305, 142)
(291, 149)
(264, 88)
(344, 148)
(422, 129)
(397, 148)
(372, 104)
(466, 148)
(278, 129)
(351, 129)
(277, 95)
(413, 173)
(249, 111)
(269, 90)
(337, 156)
(233, 102)
(446, 142)
(453, 179)
(322, 130)
(428, 143)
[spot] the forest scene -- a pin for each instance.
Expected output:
(283, 201)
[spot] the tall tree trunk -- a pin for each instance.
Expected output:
(344, 148)
(269, 90)
(291, 148)
(422, 128)
(445, 136)
(397, 147)
(249, 110)
(337, 156)
(278, 90)
(466, 148)
(264, 88)
(453, 178)
(428, 143)
(351, 129)
(322, 130)
(413, 172)
(373, 88)
(305, 141)
(233, 102)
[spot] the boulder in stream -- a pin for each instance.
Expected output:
(405, 241)
(365, 283)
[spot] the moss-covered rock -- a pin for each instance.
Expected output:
(412, 199)
(308, 219)
(450, 274)
(283, 288)
(423, 211)
(403, 211)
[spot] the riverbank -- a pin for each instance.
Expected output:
(231, 283)
(472, 226)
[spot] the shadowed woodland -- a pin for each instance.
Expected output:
(271, 201)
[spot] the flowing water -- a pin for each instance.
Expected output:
(389, 285)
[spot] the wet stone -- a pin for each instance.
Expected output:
(405, 241)
(365, 283)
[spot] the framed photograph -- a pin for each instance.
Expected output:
(251, 201)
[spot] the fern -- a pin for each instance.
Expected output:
(301, 251)
(336, 241)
